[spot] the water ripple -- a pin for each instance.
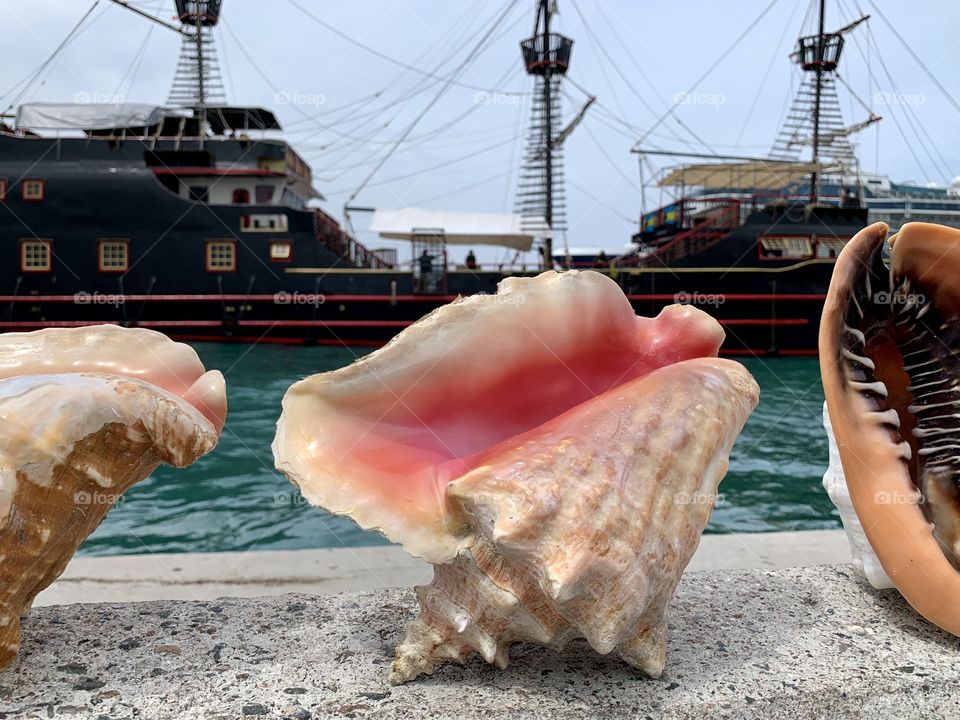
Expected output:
(233, 499)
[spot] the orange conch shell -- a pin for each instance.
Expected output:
(553, 455)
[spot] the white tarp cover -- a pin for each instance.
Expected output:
(750, 175)
(458, 228)
(80, 116)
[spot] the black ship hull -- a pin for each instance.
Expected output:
(327, 288)
(760, 315)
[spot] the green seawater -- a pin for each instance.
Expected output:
(233, 499)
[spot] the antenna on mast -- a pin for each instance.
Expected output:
(198, 82)
(815, 118)
(540, 195)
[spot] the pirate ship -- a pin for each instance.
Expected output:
(195, 219)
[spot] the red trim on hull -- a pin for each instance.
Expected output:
(212, 171)
(733, 296)
(741, 352)
(374, 298)
(762, 321)
(234, 298)
(315, 323)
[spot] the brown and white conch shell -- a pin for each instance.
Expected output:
(890, 363)
(86, 414)
(553, 455)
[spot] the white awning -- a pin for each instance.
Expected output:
(79, 116)
(751, 175)
(458, 228)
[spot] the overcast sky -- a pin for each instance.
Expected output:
(636, 56)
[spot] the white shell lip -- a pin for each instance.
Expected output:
(562, 312)
(862, 556)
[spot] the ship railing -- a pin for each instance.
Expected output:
(704, 222)
(343, 245)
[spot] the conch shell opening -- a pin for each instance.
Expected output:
(554, 455)
(891, 376)
(87, 413)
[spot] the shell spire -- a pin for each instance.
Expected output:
(583, 527)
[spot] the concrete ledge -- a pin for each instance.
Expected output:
(794, 643)
(206, 576)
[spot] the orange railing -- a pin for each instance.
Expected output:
(332, 236)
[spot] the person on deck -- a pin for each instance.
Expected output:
(601, 260)
(426, 271)
(471, 261)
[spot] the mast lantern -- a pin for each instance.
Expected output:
(540, 199)
(815, 118)
(819, 51)
(198, 83)
(547, 55)
(206, 11)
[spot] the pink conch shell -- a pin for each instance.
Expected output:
(87, 413)
(554, 455)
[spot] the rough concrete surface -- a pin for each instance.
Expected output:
(793, 643)
(206, 576)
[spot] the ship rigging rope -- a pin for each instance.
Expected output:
(226, 63)
(908, 115)
(707, 73)
(514, 153)
(613, 211)
(903, 107)
(606, 156)
(602, 110)
(766, 74)
(602, 47)
(445, 163)
(335, 172)
(411, 143)
(933, 78)
(404, 98)
(354, 141)
(853, 94)
(347, 147)
(911, 116)
(377, 53)
(134, 70)
(893, 116)
(32, 78)
(646, 78)
(417, 140)
(359, 120)
(451, 193)
(470, 57)
(422, 85)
